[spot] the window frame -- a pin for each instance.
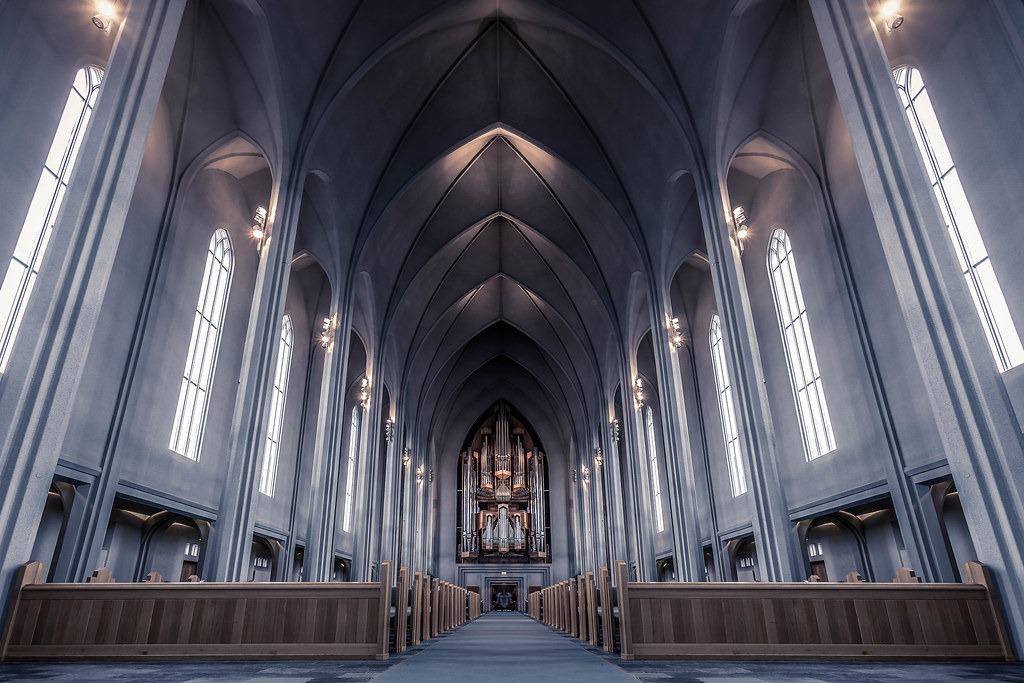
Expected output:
(652, 460)
(34, 237)
(726, 408)
(350, 474)
(816, 430)
(278, 402)
(217, 277)
(961, 226)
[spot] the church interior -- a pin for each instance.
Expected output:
(511, 292)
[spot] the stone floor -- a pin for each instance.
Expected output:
(511, 647)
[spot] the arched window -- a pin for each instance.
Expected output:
(737, 475)
(815, 424)
(194, 397)
(275, 421)
(46, 203)
(350, 476)
(652, 454)
(963, 230)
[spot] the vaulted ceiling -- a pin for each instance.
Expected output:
(504, 176)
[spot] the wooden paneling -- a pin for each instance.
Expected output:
(197, 620)
(811, 620)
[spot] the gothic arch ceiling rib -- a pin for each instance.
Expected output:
(499, 300)
(496, 166)
(479, 360)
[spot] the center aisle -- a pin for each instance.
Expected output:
(502, 646)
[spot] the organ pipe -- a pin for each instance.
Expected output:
(503, 512)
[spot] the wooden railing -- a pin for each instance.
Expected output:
(102, 619)
(196, 620)
(942, 621)
(905, 619)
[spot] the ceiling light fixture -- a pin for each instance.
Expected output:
(891, 16)
(259, 227)
(674, 334)
(326, 332)
(105, 15)
(740, 227)
(364, 392)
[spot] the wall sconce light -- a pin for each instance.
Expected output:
(675, 336)
(419, 474)
(891, 16)
(638, 393)
(430, 475)
(616, 430)
(259, 227)
(740, 227)
(326, 332)
(574, 474)
(586, 474)
(105, 15)
(598, 457)
(389, 429)
(406, 456)
(364, 392)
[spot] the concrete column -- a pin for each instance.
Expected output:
(971, 408)
(777, 553)
(228, 558)
(621, 546)
(42, 379)
(1011, 15)
(364, 506)
(382, 522)
(330, 449)
(687, 549)
(639, 482)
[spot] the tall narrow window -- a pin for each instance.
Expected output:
(652, 454)
(963, 230)
(46, 203)
(275, 422)
(350, 476)
(194, 397)
(737, 475)
(815, 424)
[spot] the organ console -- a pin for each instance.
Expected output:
(503, 494)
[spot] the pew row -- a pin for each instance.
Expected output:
(101, 619)
(875, 621)
(134, 621)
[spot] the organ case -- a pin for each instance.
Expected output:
(503, 493)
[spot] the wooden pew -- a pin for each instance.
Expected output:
(474, 605)
(428, 608)
(609, 622)
(401, 618)
(416, 618)
(591, 597)
(135, 621)
(874, 621)
(435, 606)
(581, 607)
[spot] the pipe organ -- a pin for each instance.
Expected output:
(503, 494)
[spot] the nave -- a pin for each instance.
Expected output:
(500, 647)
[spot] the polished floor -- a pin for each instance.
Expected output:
(502, 647)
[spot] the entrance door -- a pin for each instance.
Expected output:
(818, 569)
(504, 597)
